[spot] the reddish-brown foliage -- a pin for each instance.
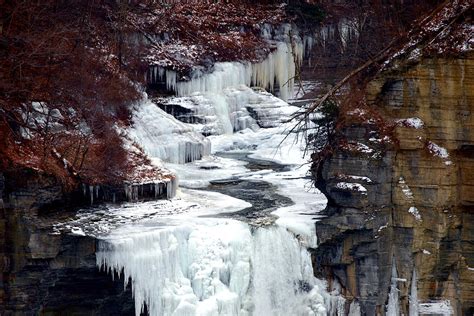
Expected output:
(64, 84)
(201, 33)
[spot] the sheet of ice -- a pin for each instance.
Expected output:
(351, 187)
(271, 144)
(232, 109)
(114, 219)
(215, 267)
(200, 173)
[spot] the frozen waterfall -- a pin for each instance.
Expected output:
(278, 68)
(220, 267)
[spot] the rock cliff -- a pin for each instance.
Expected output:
(45, 273)
(401, 188)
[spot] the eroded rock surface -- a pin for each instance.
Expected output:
(407, 198)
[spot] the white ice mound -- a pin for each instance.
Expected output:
(164, 137)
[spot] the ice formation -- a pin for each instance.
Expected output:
(278, 68)
(165, 187)
(413, 299)
(234, 109)
(393, 305)
(164, 137)
(217, 268)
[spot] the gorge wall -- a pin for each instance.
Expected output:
(404, 200)
(45, 273)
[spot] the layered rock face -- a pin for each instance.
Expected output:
(405, 199)
(45, 273)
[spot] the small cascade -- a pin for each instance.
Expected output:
(220, 268)
(164, 137)
(393, 305)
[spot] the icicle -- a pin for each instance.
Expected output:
(91, 193)
(156, 185)
(413, 309)
(393, 308)
(128, 193)
(171, 188)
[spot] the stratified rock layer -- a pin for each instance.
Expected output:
(418, 208)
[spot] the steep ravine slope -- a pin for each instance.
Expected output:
(401, 204)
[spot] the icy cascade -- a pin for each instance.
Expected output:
(216, 268)
(164, 137)
(278, 68)
(241, 108)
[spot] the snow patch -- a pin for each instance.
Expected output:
(413, 122)
(405, 189)
(352, 187)
(437, 150)
(414, 211)
(352, 177)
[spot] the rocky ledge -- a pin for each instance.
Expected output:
(47, 273)
(401, 196)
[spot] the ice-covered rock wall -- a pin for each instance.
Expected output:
(222, 268)
(277, 70)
